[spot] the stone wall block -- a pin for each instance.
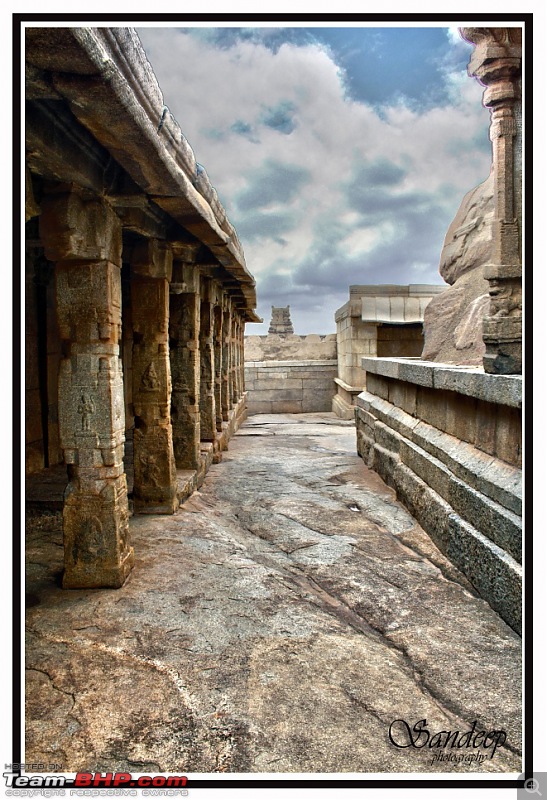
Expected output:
(508, 445)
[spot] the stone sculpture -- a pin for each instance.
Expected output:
(453, 320)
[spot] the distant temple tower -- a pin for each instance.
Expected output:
(281, 321)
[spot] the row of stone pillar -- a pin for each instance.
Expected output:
(187, 374)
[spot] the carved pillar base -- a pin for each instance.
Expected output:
(96, 535)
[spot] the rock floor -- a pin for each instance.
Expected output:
(279, 623)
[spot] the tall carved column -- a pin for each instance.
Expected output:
(226, 366)
(184, 329)
(217, 344)
(233, 358)
(207, 364)
(242, 355)
(155, 484)
(83, 237)
(237, 351)
(496, 62)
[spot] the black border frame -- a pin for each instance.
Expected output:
(17, 353)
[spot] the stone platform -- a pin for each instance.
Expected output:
(278, 623)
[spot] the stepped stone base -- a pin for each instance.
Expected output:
(188, 480)
(468, 500)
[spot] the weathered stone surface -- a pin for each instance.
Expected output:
(279, 623)
(453, 320)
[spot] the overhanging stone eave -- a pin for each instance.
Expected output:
(122, 106)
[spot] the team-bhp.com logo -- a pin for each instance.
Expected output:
(91, 780)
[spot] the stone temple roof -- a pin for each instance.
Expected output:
(103, 77)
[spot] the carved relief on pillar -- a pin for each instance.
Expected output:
(184, 325)
(155, 483)
(496, 63)
(75, 232)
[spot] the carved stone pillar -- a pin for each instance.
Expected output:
(496, 62)
(217, 344)
(207, 364)
(226, 366)
(237, 353)
(235, 395)
(184, 328)
(83, 237)
(155, 483)
(241, 355)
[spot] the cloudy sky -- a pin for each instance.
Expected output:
(341, 154)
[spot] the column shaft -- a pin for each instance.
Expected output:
(83, 237)
(207, 366)
(184, 329)
(155, 483)
(226, 378)
(217, 338)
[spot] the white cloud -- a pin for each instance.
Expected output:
(327, 136)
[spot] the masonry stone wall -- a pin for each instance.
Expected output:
(290, 387)
(290, 374)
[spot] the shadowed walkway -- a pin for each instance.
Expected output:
(280, 622)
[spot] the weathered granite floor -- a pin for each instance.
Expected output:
(280, 622)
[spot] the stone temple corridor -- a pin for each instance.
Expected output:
(280, 622)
